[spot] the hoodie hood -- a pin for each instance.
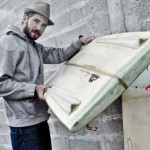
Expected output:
(11, 29)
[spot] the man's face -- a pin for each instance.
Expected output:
(35, 26)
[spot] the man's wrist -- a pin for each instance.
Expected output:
(80, 36)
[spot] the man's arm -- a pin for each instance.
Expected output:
(9, 57)
(86, 40)
(59, 55)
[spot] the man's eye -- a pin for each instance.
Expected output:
(37, 21)
(44, 25)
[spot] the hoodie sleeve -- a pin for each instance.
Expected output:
(58, 55)
(9, 87)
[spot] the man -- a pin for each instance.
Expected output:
(21, 77)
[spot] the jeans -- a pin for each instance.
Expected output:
(36, 137)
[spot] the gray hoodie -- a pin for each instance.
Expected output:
(21, 68)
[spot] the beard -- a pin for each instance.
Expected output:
(31, 34)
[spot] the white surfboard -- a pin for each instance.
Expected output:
(96, 76)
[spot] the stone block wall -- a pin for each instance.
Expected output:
(72, 18)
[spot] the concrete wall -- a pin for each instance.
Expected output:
(72, 18)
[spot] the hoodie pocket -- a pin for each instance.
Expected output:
(14, 109)
(24, 108)
(34, 106)
(29, 106)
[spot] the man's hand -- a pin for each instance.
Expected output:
(87, 40)
(40, 90)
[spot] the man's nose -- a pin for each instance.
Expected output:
(39, 27)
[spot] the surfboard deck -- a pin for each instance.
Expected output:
(96, 76)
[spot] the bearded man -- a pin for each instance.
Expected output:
(22, 77)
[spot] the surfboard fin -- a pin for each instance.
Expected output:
(66, 102)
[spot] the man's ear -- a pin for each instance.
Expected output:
(24, 20)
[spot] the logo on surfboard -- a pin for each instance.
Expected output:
(93, 77)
